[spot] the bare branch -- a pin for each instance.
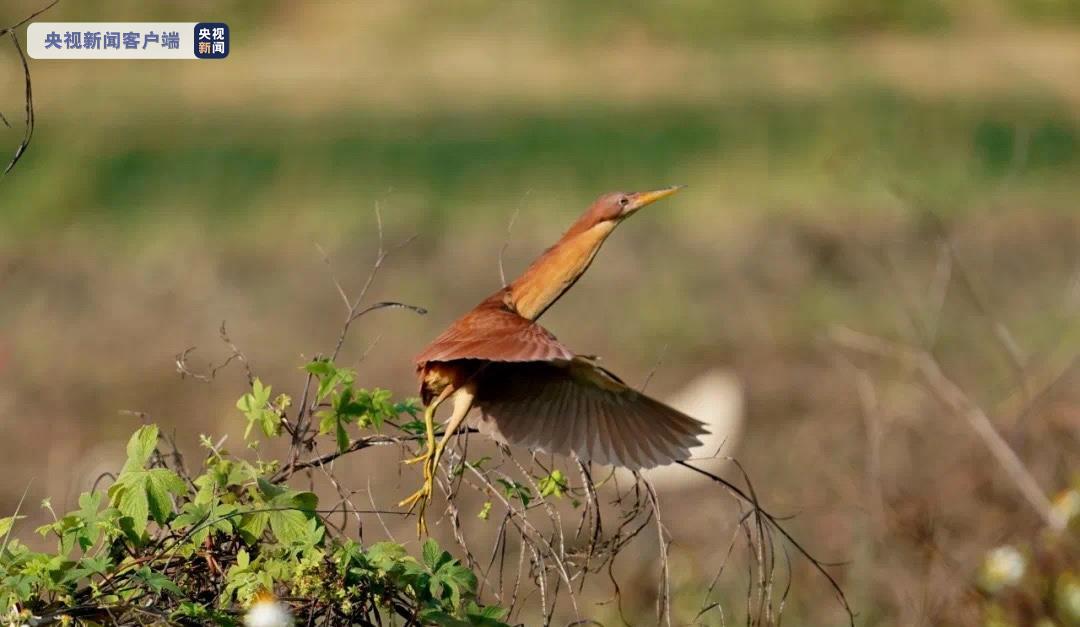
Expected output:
(953, 397)
(28, 89)
(357, 445)
(774, 523)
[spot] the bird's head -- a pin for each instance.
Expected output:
(561, 265)
(614, 207)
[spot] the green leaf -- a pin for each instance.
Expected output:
(410, 406)
(291, 527)
(140, 493)
(342, 437)
(159, 484)
(385, 555)
(328, 421)
(442, 619)
(6, 524)
(157, 581)
(554, 484)
(457, 579)
(86, 567)
(196, 515)
(205, 518)
(492, 612)
(271, 490)
(242, 580)
(194, 611)
(260, 392)
(89, 504)
(140, 447)
(289, 514)
(130, 498)
(253, 525)
(513, 489)
(256, 407)
(485, 511)
(431, 553)
(321, 368)
(414, 426)
(82, 527)
(329, 376)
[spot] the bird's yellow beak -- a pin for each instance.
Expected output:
(640, 199)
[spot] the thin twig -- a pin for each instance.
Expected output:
(353, 305)
(29, 120)
(663, 597)
(774, 523)
(506, 242)
(953, 397)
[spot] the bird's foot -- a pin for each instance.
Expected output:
(418, 458)
(421, 497)
(424, 493)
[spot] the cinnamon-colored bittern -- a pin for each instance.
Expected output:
(533, 391)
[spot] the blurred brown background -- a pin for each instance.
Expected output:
(828, 147)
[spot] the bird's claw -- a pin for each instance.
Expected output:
(423, 495)
(411, 500)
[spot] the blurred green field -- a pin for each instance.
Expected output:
(822, 143)
(849, 153)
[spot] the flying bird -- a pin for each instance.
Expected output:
(529, 388)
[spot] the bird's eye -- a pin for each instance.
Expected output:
(624, 201)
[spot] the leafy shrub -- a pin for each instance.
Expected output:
(163, 545)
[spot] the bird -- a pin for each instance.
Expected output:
(530, 389)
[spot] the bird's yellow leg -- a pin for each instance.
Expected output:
(429, 424)
(462, 404)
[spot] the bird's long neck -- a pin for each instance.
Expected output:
(556, 271)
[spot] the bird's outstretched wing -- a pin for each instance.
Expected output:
(578, 407)
(492, 332)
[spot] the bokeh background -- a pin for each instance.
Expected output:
(829, 147)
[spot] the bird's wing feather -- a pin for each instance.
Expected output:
(578, 407)
(492, 332)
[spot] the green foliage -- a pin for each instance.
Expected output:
(289, 514)
(438, 580)
(554, 484)
(514, 490)
(200, 549)
(348, 404)
(140, 491)
(258, 409)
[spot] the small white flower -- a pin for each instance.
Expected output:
(1004, 567)
(267, 612)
